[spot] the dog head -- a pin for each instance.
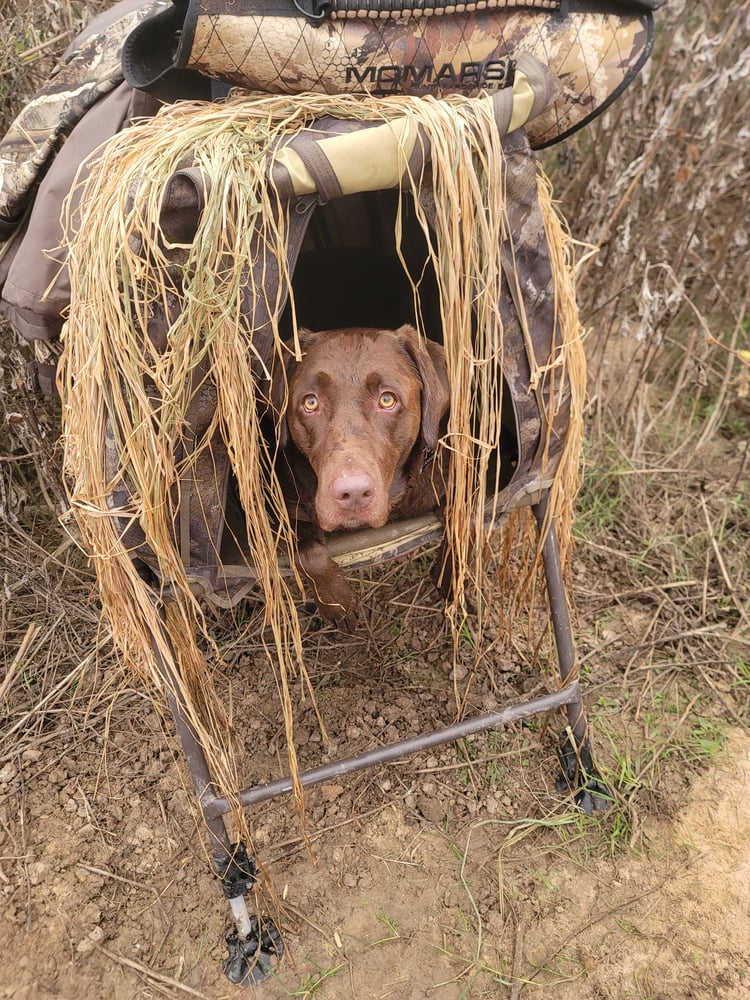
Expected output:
(358, 405)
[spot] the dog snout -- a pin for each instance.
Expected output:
(353, 491)
(350, 497)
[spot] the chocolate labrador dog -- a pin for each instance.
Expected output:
(364, 411)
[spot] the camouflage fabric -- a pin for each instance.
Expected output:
(90, 69)
(263, 46)
(34, 285)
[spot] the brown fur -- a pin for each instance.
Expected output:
(364, 412)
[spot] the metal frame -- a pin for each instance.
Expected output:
(255, 945)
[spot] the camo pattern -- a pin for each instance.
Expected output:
(89, 70)
(593, 54)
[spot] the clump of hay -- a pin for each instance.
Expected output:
(117, 385)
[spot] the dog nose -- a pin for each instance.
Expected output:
(353, 491)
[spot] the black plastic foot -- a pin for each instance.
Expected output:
(251, 961)
(581, 777)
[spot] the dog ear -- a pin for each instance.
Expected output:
(429, 360)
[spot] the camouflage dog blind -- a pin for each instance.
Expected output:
(180, 269)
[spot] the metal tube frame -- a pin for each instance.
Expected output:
(215, 807)
(559, 613)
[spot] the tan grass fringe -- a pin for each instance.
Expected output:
(107, 359)
(520, 570)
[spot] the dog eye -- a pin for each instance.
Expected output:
(387, 401)
(310, 403)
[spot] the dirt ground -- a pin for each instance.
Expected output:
(458, 873)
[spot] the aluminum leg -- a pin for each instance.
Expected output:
(574, 751)
(254, 945)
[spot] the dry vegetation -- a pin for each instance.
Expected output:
(662, 578)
